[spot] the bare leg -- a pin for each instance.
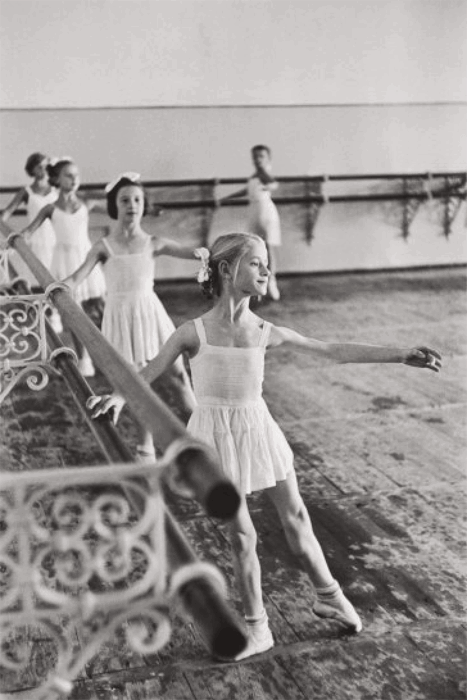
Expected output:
(243, 538)
(248, 576)
(298, 530)
(331, 601)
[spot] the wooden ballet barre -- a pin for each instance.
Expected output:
(450, 191)
(201, 480)
(200, 599)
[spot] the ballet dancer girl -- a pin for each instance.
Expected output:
(263, 217)
(226, 347)
(135, 322)
(35, 197)
(69, 215)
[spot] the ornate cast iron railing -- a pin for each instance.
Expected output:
(83, 552)
(24, 351)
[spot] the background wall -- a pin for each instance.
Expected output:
(108, 53)
(182, 88)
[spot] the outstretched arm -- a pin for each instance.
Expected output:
(184, 339)
(20, 197)
(238, 193)
(357, 352)
(95, 255)
(42, 215)
(166, 246)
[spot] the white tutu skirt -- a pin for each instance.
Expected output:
(137, 325)
(252, 449)
(66, 260)
(264, 221)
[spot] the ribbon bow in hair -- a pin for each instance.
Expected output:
(59, 159)
(204, 272)
(133, 177)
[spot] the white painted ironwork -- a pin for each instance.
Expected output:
(23, 343)
(82, 555)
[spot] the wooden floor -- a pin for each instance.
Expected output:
(380, 456)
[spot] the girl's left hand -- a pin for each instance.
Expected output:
(423, 357)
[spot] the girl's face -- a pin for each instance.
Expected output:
(40, 170)
(251, 276)
(68, 180)
(261, 159)
(130, 203)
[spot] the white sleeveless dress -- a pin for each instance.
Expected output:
(71, 247)
(135, 322)
(42, 241)
(263, 216)
(232, 417)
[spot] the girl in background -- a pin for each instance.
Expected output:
(69, 216)
(226, 347)
(263, 217)
(135, 322)
(35, 196)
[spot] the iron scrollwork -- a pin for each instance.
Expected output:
(81, 559)
(23, 342)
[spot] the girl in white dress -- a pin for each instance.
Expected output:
(135, 322)
(69, 216)
(226, 347)
(35, 196)
(263, 217)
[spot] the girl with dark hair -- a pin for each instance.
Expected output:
(135, 322)
(69, 216)
(35, 196)
(226, 347)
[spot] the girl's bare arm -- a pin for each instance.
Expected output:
(20, 197)
(184, 339)
(95, 255)
(166, 246)
(43, 214)
(341, 353)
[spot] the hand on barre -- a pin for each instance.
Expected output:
(107, 404)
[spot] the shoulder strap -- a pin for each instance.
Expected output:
(263, 341)
(199, 325)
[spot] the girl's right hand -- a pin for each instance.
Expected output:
(103, 405)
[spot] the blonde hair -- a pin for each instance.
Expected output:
(229, 248)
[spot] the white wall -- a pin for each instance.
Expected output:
(174, 143)
(183, 88)
(107, 53)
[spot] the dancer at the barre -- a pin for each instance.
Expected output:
(69, 215)
(135, 322)
(34, 197)
(226, 347)
(263, 217)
